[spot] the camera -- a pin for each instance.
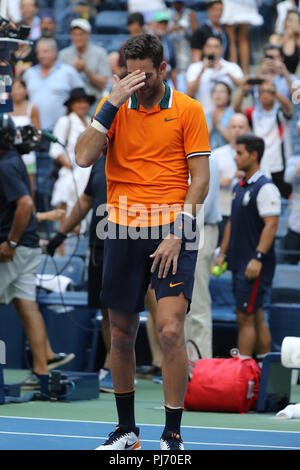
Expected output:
(13, 32)
(255, 81)
(211, 57)
(26, 139)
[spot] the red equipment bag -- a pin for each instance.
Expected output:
(223, 385)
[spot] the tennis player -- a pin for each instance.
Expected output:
(156, 138)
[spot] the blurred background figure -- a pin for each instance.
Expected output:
(159, 27)
(228, 173)
(148, 9)
(211, 27)
(182, 24)
(270, 120)
(30, 17)
(25, 114)
(72, 179)
(49, 83)
(289, 40)
(89, 60)
(292, 238)
(218, 119)
(47, 24)
(202, 75)
(238, 16)
(135, 25)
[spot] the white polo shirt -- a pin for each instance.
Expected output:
(209, 78)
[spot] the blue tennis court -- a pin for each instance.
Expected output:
(47, 434)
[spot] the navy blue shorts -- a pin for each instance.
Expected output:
(127, 272)
(250, 295)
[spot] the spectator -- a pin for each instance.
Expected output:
(49, 83)
(282, 9)
(160, 29)
(202, 75)
(248, 242)
(25, 114)
(90, 61)
(20, 256)
(228, 172)
(13, 11)
(270, 121)
(199, 321)
(292, 238)
(238, 16)
(146, 8)
(71, 178)
(274, 69)
(182, 24)
(29, 12)
(135, 25)
(211, 27)
(48, 24)
(218, 120)
(289, 41)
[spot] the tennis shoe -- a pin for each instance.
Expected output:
(171, 441)
(122, 439)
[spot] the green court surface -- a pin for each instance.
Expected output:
(149, 410)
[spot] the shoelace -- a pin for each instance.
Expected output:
(115, 435)
(174, 441)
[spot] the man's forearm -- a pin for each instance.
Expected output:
(89, 146)
(226, 238)
(20, 221)
(79, 211)
(267, 236)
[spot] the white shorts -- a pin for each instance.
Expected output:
(18, 277)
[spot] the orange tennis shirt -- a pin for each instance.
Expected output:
(147, 158)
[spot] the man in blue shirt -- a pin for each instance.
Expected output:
(49, 83)
(248, 242)
(20, 255)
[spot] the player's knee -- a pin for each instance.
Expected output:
(121, 339)
(170, 336)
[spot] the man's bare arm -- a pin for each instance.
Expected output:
(91, 143)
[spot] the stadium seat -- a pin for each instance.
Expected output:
(69, 325)
(111, 22)
(284, 320)
(113, 5)
(286, 284)
(13, 335)
(69, 266)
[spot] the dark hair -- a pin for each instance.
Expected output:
(212, 36)
(252, 144)
(209, 4)
(144, 46)
(136, 18)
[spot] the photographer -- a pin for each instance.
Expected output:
(269, 119)
(274, 70)
(202, 75)
(20, 255)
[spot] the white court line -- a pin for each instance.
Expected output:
(151, 440)
(154, 425)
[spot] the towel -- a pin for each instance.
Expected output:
(289, 412)
(53, 283)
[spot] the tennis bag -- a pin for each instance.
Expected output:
(230, 385)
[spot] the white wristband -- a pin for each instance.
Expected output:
(98, 126)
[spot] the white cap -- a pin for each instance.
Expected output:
(81, 23)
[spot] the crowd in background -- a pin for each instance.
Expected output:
(238, 58)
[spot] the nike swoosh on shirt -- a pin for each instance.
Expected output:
(172, 119)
